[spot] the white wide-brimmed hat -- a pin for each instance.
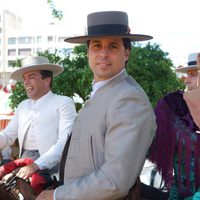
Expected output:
(32, 63)
(105, 24)
(193, 60)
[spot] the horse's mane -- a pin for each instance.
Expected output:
(16, 186)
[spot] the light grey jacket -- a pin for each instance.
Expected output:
(53, 120)
(110, 138)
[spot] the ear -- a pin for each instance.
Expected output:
(127, 54)
(47, 81)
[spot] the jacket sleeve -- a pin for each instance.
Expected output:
(9, 134)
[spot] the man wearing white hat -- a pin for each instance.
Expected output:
(114, 129)
(176, 147)
(43, 122)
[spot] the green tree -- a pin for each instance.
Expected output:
(57, 14)
(153, 70)
(149, 65)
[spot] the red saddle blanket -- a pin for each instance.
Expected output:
(37, 181)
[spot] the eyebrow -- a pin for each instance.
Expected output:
(29, 75)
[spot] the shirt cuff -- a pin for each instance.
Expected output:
(40, 165)
(54, 194)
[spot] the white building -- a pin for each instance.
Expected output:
(17, 42)
(8, 22)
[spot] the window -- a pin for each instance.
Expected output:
(11, 63)
(12, 40)
(11, 52)
(24, 40)
(61, 39)
(50, 39)
(38, 49)
(51, 49)
(24, 52)
(39, 39)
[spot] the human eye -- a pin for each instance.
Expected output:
(96, 45)
(113, 46)
(193, 74)
(32, 76)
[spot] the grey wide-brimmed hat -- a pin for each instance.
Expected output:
(32, 63)
(192, 63)
(105, 24)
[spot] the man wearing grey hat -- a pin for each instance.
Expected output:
(115, 128)
(43, 122)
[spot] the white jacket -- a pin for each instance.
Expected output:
(53, 120)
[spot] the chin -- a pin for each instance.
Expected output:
(30, 96)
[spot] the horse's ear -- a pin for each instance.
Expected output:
(25, 189)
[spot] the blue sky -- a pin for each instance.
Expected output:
(174, 24)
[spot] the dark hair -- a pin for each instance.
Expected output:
(127, 45)
(46, 74)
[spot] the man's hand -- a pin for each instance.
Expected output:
(46, 195)
(27, 171)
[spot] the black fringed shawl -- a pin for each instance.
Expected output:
(176, 137)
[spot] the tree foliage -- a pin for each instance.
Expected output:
(153, 70)
(57, 14)
(149, 65)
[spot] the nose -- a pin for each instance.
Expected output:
(103, 52)
(26, 81)
(187, 79)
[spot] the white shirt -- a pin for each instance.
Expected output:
(53, 120)
(30, 142)
(99, 84)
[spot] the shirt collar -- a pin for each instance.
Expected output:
(99, 84)
(41, 99)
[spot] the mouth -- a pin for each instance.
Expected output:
(103, 65)
(29, 89)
